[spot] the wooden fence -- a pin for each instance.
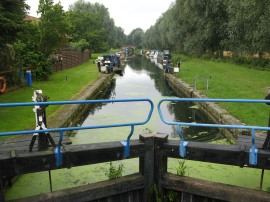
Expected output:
(68, 59)
(151, 183)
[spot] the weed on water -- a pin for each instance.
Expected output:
(114, 171)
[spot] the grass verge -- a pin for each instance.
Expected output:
(64, 85)
(226, 80)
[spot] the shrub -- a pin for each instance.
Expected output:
(41, 65)
(80, 45)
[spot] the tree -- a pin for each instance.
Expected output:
(191, 26)
(249, 26)
(12, 14)
(104, 23)
(53, 26)
(136, 37)
(86, 26)
(202, 25)
(120, 37)
(27, 52)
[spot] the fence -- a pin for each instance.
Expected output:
(68, 59)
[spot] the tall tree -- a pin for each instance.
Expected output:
(86, 26)
(12, 14)
(249, 26)
(199, 23)
(103, 17)
(53, 26)
(120, 37)
(136, 37)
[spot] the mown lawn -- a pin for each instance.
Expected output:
(63, 85)
(232, 81)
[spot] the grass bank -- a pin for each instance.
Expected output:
(63, 85)
(228, 80)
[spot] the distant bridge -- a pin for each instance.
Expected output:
(129, 46)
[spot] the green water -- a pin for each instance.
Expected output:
(233, 175)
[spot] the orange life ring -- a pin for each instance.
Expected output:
(4, 85)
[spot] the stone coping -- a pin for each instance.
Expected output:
(215, 113)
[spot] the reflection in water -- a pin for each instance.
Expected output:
(141, 79)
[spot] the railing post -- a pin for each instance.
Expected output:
(2, 198)
(161, 162)
(146, 166)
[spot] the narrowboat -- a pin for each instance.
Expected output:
(164, 58)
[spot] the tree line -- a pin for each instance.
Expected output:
(31, 42)
(206, 27)
(212, 26)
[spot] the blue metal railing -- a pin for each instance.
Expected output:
(57, 150)
(183, 143)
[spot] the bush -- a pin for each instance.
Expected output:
(40, 63)
(80, 45)
(28, 56)
(179, 57)
(255, 63)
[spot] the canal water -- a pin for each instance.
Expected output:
(142, 78)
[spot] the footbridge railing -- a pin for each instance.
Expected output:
(253, 155)
(57, 149)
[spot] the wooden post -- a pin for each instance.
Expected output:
(2, 198)
(146, 166)
(160, 161)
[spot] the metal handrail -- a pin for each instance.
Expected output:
(61, 130)
(182, 147)
(195, 82)
(76, 102)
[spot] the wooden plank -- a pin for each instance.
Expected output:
(23, 142)
(146, 164)
(23, 139)
(237, 155)
(212, 189)
(246, 140)
(73, 155)
(92, 191)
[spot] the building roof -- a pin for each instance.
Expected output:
(31, 18)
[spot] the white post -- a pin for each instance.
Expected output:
(34, 99)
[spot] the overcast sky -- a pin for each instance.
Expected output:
(128, 14)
